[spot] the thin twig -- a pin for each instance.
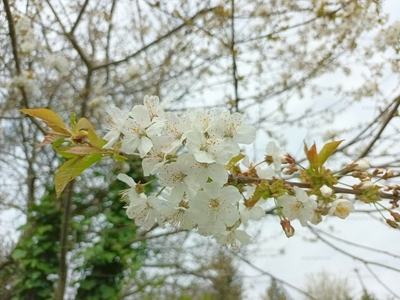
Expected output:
(155, 42)
(349, 254)
(79, 17)
(272, 276)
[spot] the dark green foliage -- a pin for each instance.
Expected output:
(109, 257)
(37, 251)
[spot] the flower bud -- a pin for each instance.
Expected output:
(395, 215)
(392, 223)
(290, 170)
(325, 191)
(365, 185)
(316, 218)
(287, 228)
(362, 165)
(377, 171)
(389, 173)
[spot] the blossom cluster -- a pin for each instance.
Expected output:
(189, 154)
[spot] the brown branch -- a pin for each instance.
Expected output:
(110, 27)
(244, 179)
(79, 17)
(155, 42)
(349, 254)
(389, 117)
(14, 46)
(71, 38)
(357, 245)
(272, 276)
(233, 53)
(381, 282)
(357, 138)
(63, 267)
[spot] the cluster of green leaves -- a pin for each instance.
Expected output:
(317, 175)
(78, 144)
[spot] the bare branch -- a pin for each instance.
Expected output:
(79, 17)
(155, 42)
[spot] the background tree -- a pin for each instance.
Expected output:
(258, 57)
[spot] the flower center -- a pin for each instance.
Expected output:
(297, 207)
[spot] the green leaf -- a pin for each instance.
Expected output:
(84, 150)
(73, 168)
(49, 117)
(85, 163)
(83, 124)
(19, 253)
(94, 139)
(327, 151)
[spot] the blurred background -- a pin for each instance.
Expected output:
(308, 70)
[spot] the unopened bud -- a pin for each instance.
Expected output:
(365, 185)
(287, 228)
(359, 165)
(290, 170)
(392, 223)
(377, 171)
(389, 173)
(395, 215)
(362, 165)
(325, 191)
(289, 159)
(284, 158)
(316, 218)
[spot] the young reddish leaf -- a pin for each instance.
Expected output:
(94, 139)
(50, 138)
(62, 150)
(51, 119)
(312, 156)
(84, 150)
(327, 151)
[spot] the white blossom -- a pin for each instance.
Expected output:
(232, 237)
(147, 210)
(116, 121)
(298, 207)
(182, 176)
(128, 194)
(208, 150)
(138, 131)
(216, 207)
(341, 208)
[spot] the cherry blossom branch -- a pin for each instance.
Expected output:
(245, 179)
